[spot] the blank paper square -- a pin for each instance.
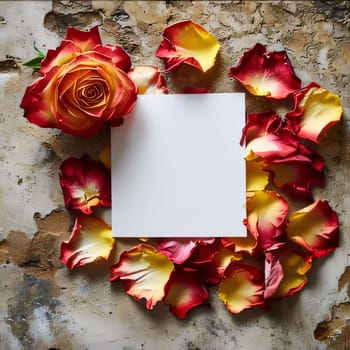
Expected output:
(178, 169)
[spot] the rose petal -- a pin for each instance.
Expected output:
(256, 177)
(190, 43)
(242, 287)
(184, 291)
(294, 268)
(148, 80)
(85, 184)
(315, 227)
(259, 124)
(247, 244)
(296, 178)
(144, 273)
(62, 55)
(273, 146)
(273, 274)
(267, 212)
(179, 250)
(268, 74)
(85, 40)
(91, 240)
(116, 55)
(316, 109)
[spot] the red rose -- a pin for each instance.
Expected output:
(84, 85)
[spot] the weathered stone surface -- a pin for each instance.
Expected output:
(42, 304)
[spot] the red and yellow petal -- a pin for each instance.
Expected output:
(294, 267)
(148, 79)
(91, 240)
(268, 74)
(190, 43)
(62, 55)
(296, 177)
(242, 287)
(247, 244)
(213, 259)
(116, 55)
(85, 40)
(85, 184)
(179, 250)
(316, 110)
(184, 291)
(256, 177)
(144, 272)
(267, 212)
(315, 227)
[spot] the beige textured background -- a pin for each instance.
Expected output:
(42, 304)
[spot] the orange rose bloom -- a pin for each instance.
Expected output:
(84, 85)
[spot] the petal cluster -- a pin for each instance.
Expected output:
(86, 85)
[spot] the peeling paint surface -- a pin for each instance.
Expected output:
(45, 306)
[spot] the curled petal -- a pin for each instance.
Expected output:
(259, 124)
(184, 291)
(256, 177)
(267, 212)
(268, 74)
(242, 287)
(85, 184)
(213, 259)
(116, 55)
(62, 55)
(315, 228)
(247, 244)
(85, 40)
(316, 109)
(273, 274)
(190, 43)
(148, 80)
(144, 273)
(91, 240)
(292, 266)
(272, 147)
(179, 250)
(296, 177)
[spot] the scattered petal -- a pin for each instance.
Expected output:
(213, 260)
(184, 291)
(315, 228)
(190, 43)
(85, 184)
(242, 287)
(180, 249)
(267, 212)
(273, 274)
(247, 244)
(294, 268)
(256, 177)
(91, 240)
(148, 80)
(144, 273)
(316, 109)
(268, 74)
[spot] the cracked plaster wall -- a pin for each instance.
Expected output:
(42, 305)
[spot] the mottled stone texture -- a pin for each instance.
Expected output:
(43, 305)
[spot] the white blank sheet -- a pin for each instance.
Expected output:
(178, 169)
